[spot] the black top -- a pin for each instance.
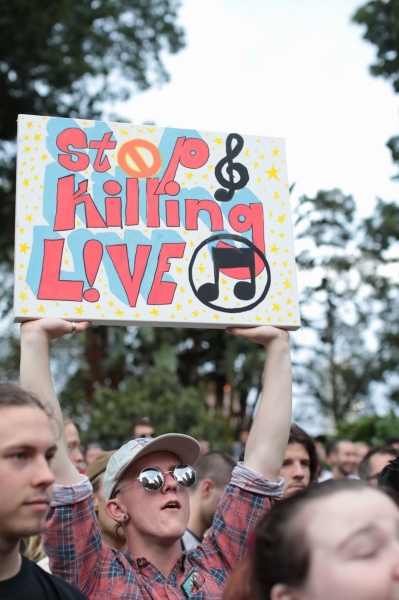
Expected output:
(32, 583)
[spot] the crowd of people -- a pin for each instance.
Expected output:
(284, 517)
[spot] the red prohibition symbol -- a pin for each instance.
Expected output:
(130, 150)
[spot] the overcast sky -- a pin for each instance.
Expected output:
(296, 69)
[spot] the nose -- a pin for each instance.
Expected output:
(298, 471)
(170, 483)
(76, 457)
(43, 475)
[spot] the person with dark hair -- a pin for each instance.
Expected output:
(389, 477)
(146, 488)
(143, 428)
(213, 475)
(374, 461)
(73, 442)
(27, 449)
(335, 540)
(393, 442)
(341, 456)
(300, 465)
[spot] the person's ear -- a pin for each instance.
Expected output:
(95, 502)
(280, 591)
(206, 487)
(116, 511)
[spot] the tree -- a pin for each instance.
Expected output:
(67, 58)
(335, 366)
(381, 19)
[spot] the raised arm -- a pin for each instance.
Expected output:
(268, 438)
(35, 377)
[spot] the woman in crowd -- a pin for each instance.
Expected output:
(300, 466)
(297, 553)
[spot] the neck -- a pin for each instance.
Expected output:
(114, 541)
(196, 523)
(337, 473)
(10, 560)
(162, 556)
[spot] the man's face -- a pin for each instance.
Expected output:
(73, 442)
(143, 431)
(376, 463)
(26, 449)
(345, 459)
(154, 517)
(295, 469)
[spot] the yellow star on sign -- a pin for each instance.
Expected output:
(196, 313)
(38, 137)
(287, 284)
(179, 270)
(23, 296)
(154, 312)
(25, 182)
(218, 141)
(201, 268)
(24, 311)
(44, 156)
(29, 218)
(172, 316)
(275, 152)
(288, 301)
(178, 306)
(137, 315)
(97, 307)
(24, 248)
(274, 249)
(189, 175)
(276, 307)
(41, 309)
(119, 312)
(273, 173)
(281, 219)
(27, 149)
(258, 318)
(79, 310)
(276, 195)
(181, 289)
(246, 153)
(110, 303)
(124, 132)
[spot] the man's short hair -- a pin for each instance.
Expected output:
(144, 421)
(333, 447)
(216, 466)
(12, 395)
(299, 436)
(364, 465)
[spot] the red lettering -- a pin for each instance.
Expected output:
(172, 213)
(251, 218)
(191, 153)
(113, 206)
(194, 206)
(132, 202)
(162, 292)
(120, 259)
(68, 199)
(51, 286)
(101, 165)
(77, 139)
(152, 203)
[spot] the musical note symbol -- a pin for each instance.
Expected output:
(230, 258)
(224, 195)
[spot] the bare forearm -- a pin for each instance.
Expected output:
(268, 438)
(35, 377)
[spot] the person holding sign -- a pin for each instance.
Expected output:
(146, 486)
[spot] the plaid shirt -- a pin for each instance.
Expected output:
(73, 543)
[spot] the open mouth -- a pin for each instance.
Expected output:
(171, 505)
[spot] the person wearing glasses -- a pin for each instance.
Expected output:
(146, 486)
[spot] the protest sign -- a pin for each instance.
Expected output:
(127, 224)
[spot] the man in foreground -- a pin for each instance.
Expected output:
(27, 448)
(146, 488)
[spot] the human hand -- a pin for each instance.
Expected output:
(52, 328)
(264, 334)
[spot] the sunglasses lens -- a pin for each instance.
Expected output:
(151, 479)
(185, 475)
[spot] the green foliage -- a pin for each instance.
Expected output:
(67, 58)
(371, 429)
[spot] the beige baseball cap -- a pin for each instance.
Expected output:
(184, 446)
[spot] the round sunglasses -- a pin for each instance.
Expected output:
(152, 479)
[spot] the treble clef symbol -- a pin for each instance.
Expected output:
(224, 195)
